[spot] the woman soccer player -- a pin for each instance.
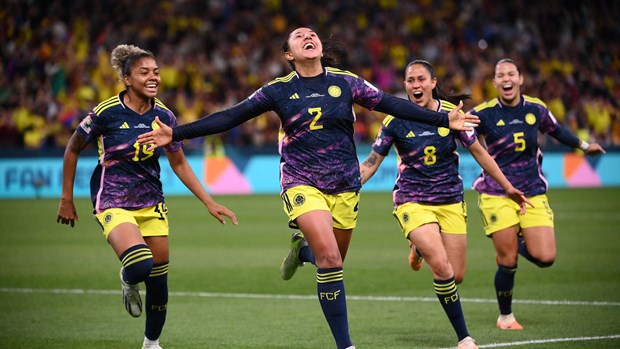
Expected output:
(509, 126)
(125, 187)
(428, 195)
(319, 171)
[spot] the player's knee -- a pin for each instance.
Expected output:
(545, 263)
(329, 261)
(137, 262)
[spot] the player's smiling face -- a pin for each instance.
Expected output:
(508, 82)
(419, 85)
(304, 44)
(144, 77)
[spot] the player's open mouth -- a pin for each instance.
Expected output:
(418, 94)
(507, 87)
(309, 46)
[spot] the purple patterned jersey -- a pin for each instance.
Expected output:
(127, 175)
(511, 136)
(428, 167)
(316, 114)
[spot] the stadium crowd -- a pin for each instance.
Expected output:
(214, 53)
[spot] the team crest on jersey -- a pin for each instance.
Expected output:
(493, 218)
(530, 119)
(406, 217)
(443, 131)
(334, 91)
(107, 219)
(154, 125)
(299, 199)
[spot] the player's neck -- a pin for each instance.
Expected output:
(309, 69)
(511, 103)
(137, 104)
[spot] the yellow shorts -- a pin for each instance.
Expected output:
(301, 199)
(452, 218)
(500, 212)
(152, 221)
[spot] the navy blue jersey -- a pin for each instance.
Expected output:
(127, 174)
(428, 168)
(511, 136)
(316, 114)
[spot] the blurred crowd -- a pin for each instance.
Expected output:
(213, 53)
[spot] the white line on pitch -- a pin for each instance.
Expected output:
(285, 296)
(542, 341)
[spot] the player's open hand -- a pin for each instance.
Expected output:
(67, 213)
(219, 211)
(460, 121)
(161, 135)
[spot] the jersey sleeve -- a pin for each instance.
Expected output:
(90, 127)
(365, 93)
(385, 138)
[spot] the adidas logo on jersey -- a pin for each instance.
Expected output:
(124, 125)
(500, 123)
(294, 96)
(410, 134)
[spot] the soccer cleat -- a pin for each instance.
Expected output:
(467, 343)
(415, 258)
(149, 344)
(351, 347)
(508, 322)
(291, 263)
(131, 297)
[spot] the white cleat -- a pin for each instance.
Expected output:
(131, 298)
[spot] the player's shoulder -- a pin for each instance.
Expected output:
(487, 105)
(339, 72)
(388, 120)
(159, 104)
(283, 79)
(534, 100)
(445, 106)
(107, 104)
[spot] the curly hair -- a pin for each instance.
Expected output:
(124, 56)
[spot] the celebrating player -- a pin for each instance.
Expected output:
(428, 195)
(509, 127)
(125, 188)
(319, 167)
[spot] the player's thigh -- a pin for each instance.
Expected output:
(120, 228)
(540, 242)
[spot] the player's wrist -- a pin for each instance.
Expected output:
(583, 145)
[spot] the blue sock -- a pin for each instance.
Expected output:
(156, 301)
(137, 263)
(306, 255)
(330, 289)
(449, 298)
(524, 252)
(504, 283)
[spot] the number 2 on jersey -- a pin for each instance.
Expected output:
(314, 124)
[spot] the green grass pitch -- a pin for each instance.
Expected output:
(59, 285)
